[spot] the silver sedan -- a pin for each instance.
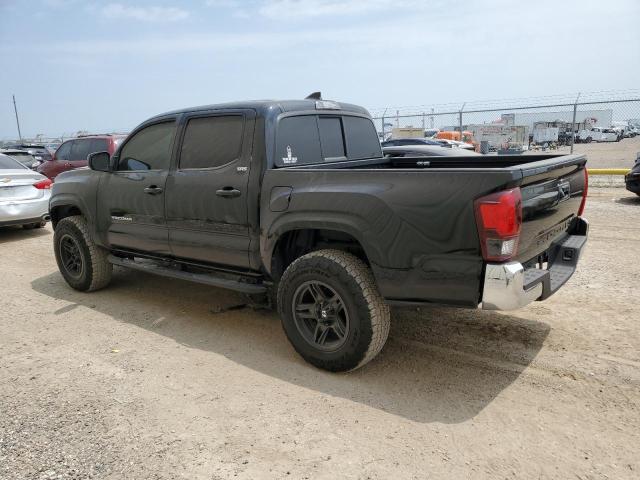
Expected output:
(24, 195)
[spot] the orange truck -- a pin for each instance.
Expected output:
(467, 137)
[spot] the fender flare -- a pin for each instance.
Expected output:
(336, 222)
(69, 200)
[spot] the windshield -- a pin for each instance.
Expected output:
(8, 163)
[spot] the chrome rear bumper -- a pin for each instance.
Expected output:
(509, 286)
(504, 287)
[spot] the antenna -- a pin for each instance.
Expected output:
(314, 96)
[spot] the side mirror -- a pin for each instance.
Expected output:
(99, 161)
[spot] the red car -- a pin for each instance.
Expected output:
(73, 153)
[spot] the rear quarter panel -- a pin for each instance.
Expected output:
(417, 227)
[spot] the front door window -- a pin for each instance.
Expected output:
(148, 149)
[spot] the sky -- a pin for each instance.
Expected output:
(108, 65)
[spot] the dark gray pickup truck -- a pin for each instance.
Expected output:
(295, 198)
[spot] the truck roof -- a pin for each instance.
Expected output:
(272, 107)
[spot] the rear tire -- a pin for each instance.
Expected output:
(331, 310)
(83, 264)
(29, 226)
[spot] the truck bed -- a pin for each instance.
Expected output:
(459, 161)
(415, 216)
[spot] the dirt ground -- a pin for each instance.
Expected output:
(152, 378)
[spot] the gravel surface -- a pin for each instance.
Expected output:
(620, 154)
(157, 378)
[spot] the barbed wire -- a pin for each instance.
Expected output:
(505, 103)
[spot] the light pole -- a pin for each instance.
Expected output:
(15, 109)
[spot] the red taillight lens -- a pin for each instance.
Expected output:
(43, 184)
(499, 218)
(584, 192)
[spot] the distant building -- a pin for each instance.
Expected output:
(597, 118)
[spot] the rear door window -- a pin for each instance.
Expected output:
(211, 142)
(99, 145)
(80, 149)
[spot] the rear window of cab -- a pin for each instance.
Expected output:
(315, 139)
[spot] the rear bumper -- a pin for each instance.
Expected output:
(509, 286)
(26, 211)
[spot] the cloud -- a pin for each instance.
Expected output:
(146, 14)
(58, 3)
(303, 9)
(223, 3)
(279, 9)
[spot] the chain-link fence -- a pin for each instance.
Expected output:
(603, 125)
(606, 129)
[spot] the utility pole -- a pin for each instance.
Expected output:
(383, 125)
(460, 119)
(573, 122)
(15, 109)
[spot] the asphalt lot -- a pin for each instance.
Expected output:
(154, 378)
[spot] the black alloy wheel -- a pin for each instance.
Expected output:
(320, 315)
(71, 256)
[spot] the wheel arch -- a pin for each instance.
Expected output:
(297, 240)
(66, 206)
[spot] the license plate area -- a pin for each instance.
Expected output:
(18, 192)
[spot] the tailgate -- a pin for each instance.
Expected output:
(552, 193)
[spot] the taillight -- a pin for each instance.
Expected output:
(499, 218)
(584, 192)
(43, 184)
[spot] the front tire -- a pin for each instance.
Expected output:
(331, 310)
(83, 264)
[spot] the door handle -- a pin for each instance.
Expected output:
(228, 192)
(153, 190)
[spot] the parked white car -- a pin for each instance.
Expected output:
(456, 144)
(24, 195)
(598, 134)
(625, 128)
